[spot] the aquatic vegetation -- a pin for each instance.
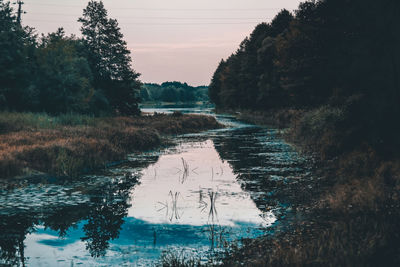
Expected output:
(174, 207)
(349, 211)
(185, 171)
(213, 214)
(204, 215)
(179, 259)
(69, 145)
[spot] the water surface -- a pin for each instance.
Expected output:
(206, 190)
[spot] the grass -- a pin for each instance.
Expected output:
(181, 259)
(352, 216)
(68, 145)
(352, 220)
(276, 118)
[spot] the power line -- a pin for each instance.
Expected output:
(142, 23)
(172, 9)
(172, 18)
(199, 9)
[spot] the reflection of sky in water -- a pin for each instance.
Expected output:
(197, 207)
(209, 202)
(207, 193)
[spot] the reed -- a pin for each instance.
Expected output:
(185, 171)
(213, 209)
(70, 144)
(179, 259)
(174, 206)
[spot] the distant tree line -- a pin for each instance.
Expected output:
(173, 92)
(55, 73)
(339, 53)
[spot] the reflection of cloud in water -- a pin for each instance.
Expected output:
(210, 189)
(187, 199)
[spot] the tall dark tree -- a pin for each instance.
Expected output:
(64, 81)
(110, 59)
(330, 53)
(15, 59)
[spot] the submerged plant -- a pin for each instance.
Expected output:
(185, 172)
(174, 198)
(171, 210)
(213, 210)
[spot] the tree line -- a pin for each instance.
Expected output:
(173, 92)
(341, 54)
(56, 73)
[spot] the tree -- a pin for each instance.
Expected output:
(215, 86)
(169, 94)
(109, 59)
(15, 59)
(64, 77)
(329, 53)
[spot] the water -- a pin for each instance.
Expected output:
(195, 197)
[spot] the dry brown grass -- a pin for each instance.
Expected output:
(355, 218)
(355, 223)
(68, 146)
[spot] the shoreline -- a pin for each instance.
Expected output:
(70, 145)
(350, 215)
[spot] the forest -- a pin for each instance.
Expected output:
(173, 92)
(329, 73)
(56, 73)
(301, 155)
(340, 58)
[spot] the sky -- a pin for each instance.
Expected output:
(170, 40)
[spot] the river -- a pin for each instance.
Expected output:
(191, 199)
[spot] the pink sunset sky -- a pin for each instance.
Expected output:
(170, 40)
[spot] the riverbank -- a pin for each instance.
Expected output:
(280, 119)
(351, 215)
(69, 145)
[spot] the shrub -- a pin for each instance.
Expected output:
(320, 130)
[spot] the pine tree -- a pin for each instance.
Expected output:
(110, 59)
(14, 60)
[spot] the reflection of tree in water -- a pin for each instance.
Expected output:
(60, 220)
(13, 230)
(240, 147)
(256, 155)
(103, 217)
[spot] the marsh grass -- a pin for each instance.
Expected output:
(185, 170)
(179, 259)
(174, 205)
(213, 214)
(70, 144)
(280, 119)
(15, 121)
(351, 218)
(217, 234)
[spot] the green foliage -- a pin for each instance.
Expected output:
(329, 52)
(173, 92)
(62, 74)
(15, 60)
(109, 59)
(65, 83)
